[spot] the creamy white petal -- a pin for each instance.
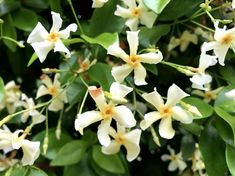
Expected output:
(39, 118)
(233, 4)
(165, 157)
(56, 22)
(38, 34)
(200, 80)
(230, 94)
(149, 119)
(85, 119)
(98, 3)
(154, 98)
(31, 151)
(120, 90)
(174, 95)
(182, 165)
(151, 58)
(47, 81)
(174, 42)
(116, 51)
(42, 49)
(124, 116)
(103, 132)
(132, 23)
(133, 41)
(172, 166)
(206, 61)
(112, 148)
(59, 46)
(56, 105)
(121, 72)
(122, 12)
(221, 52)
(140, 75)
(130, 3)
(165, 128)
(181, 115)
(98, 96)
(64, 34)
(148, 18)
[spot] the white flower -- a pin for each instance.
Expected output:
(230, 94)
(176, 160)
(224, 39)
(183, 41)
(55, 90)
(12, 141)
(133, 60)
(42, 41)
(85, 65)
(129, 139)
(233, 4)
(28, 104)
(107, 112)
(11, 98)
(98, 3)
(136, 14)
(201, 78)
(166, 111)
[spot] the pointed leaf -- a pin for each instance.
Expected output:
(156, 6)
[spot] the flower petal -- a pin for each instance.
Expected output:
(85, 119)
(165, 157)
(31, 151)
(206, 61)
(132, 23)
(154, 98)
(42, 90)
(124, 116)
(174, 95)
(200, 80)
(59, 46)
(42, 49)
(122, 12)
(140, 75)
(56, 22)
(112, 148)
(38, 34)
(98, 96)
(116, 51)
(182, 165)
(103, 132)
(98, 3)
(130, 3)
(148, 18)
(64, 34)
(181, 115)
(151, 58)
(120, 90)
(121, 72)
(172, 165)
(165, 128)
(39, 118)
(133, 40)
(149, 119)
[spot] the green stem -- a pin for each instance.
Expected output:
(72, 41)
(76, 18)
(83, 81)
(12, 40)
(202, 26)
(83, 102)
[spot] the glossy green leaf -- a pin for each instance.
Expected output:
(104, 20)
(70, 153)
(150, 36)
(2, 91)
(34, 171)
(19, 21)
(151, 68)
(204, 108)
(105, 39)
(110, 163)
(7, 6)
(54, 144)
(39, 4)
(212, 148)
(228, 73)
(230, 155)
(102, 74)
(55, 6)
(32, 59)
(19, 170)
(187, 146)
(156, 6)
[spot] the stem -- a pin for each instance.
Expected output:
(83, 81)
(75, 16)
(58, 127)
(83, 102)
(202, 26)
(12, 40)
(72, 41)
(155, 137)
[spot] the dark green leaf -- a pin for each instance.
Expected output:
(104, 20)
(19, 21)
(34, 171)
(110, 163)
(213, 151)
(228, 73)
(55, 6)
(105, 39)
(39, 4)
(156, 6)
(19, 170)
(187, 146)
(1, 89)
(230, 155)
(151, 68)
(194, 128)
(70, 153)
(7, 6)
(102, 74)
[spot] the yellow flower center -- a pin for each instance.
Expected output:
(133, 60)
(209, 95)
(53, 91)
(53, 37)
(108, 112)
(136, 12)
(227, 39)
(166, 111)
(119, 139)
(173, 157)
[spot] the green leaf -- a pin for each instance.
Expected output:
(104, 20)
(34, 171)
(55, 6)
(212, 148)
(102, 74)
(105, 39)
(194, 128)
(110, 163)
(7, 6)
(187, 146)
(54, 144)
(32, 59)
(204, 108)
(9, 30)
(19, 21)
(151, 68)
(39, 4)
(156, 6)
(228, 73)
(150, 36)
(178, 8)
(19, 170)
(2, 91)
(70, 153)
(228, 118)
(230, 155)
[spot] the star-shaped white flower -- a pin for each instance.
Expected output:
(107, 112)
(133, 60)
(165, 112)
(98, 3)
(224, 39)
(176, 160)
(42, 41)
(55, 90)
(129, 139)
(12, 141)
(136, 14)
